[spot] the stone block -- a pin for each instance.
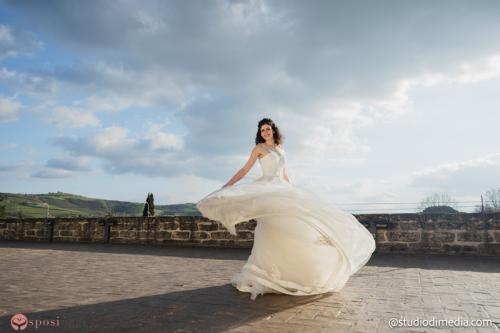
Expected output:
(227, 242)
(244, 243)
(409, 225)
(130, 234)
(438, 236)
(381, 237)
(479, 225)
(400, 236)
(209, 242)
(220, 235)
(181, 235)
(171, 225)
(244, 234)
(65, 233)
(392, 247)
(392, 226)
(423, 247)
(187, 225)
(247, 225)
(201, 235)
(459, 249)
(489, 249)
(474, 236)
(163, 234)
(208, 226)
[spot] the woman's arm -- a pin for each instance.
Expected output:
(285, 176)
(244, 170)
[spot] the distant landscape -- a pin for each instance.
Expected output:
(72, 205)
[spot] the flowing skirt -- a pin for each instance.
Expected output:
(302, 245)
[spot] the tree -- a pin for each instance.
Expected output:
(149, 206)
(492, 201)
(438, 203)
(2, 209)
(145, 211)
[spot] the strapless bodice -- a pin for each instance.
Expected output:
(272, 164)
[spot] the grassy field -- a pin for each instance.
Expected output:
(71, 205)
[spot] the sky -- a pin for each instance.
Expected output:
(379, 102)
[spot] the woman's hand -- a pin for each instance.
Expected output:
(285, 176)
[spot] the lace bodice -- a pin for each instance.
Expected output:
(272, 163)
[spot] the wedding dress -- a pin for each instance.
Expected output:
(302, 245)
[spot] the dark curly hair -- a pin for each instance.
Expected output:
(278, 138)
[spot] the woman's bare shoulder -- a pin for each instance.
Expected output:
(259, 145)
(261, 150)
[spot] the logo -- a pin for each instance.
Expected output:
(19, 322)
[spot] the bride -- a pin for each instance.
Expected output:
(302, 245)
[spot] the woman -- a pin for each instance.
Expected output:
(302, 245)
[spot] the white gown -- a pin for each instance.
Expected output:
(302, 245)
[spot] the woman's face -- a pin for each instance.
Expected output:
(266, 131)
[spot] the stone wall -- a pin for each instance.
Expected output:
(461, 233)
(164, 230)
(404, 233)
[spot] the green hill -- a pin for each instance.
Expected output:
(72, 205)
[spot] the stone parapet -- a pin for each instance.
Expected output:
(462, 233)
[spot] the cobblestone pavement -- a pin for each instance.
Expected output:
(133, 288)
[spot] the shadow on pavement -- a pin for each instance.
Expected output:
(213, 309)
(155, 250)
(398, 261)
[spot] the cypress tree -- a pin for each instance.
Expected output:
(2, 209)
(145, 211)
(151, 205)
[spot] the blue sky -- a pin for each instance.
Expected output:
(386, 101)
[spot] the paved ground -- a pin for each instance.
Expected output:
(99, 287)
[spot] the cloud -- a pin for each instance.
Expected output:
(323, 73)
(107, 142)
(125, 85)
(10, 145)
(443, 170)
(80, 163)
(29, 83)
(153, 153)
(9, 109)
(14, 42)
(57, 167)
(486, 69)
(52, 173)
(7, 168)
(257, 57)
(62, 167)
(243, 39)
(21, 168)
(474, 175)
(159, 140)
(72, 118)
